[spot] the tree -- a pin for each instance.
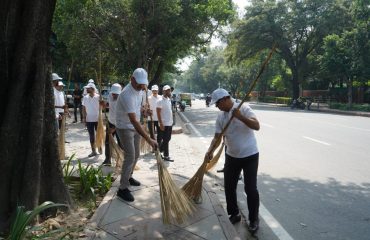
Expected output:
(31, 171)
(151, 34)
(298, 27)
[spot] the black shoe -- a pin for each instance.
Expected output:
(107, 163)
(235, 218)
(253, 226)
(125, 195)
(134, 182)
(221, 170)
(168, 159)
(93, 154)
(75, 121)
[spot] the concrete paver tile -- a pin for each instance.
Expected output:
(118, 210)
(208, 228)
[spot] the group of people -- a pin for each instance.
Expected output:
(125, 109)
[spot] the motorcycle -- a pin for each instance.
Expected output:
(182, 105)
(298, 103)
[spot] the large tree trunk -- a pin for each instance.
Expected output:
(295, 83)
(30, 170)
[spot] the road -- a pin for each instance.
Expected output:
(314, 172)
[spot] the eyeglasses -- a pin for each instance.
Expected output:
(219, 101)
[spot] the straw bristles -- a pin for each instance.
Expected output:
(100, 133)
(116, 153)
(61, 139)
(144, 145)
(176, 206)
(215, 158)
(193, 188)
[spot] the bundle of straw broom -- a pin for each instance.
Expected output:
(193, 188)
(61, 139)
(175, 204)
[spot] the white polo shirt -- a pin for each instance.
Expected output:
(129, 101)
(166, 111)
(59, 100)
(153, 105)
(92, 107)
(239, 138)
(112, 109)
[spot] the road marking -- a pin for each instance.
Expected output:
(267, 125)
(275, 226)
(315, 140)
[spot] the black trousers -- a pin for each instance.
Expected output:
(79, 107)
(154, 129)
(163, 138)
(91, 128)
(107, 149)
(232, 170)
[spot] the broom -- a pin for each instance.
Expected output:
(215, 158)
(100, 133)
(61, 139)
(144, 145)
(175, 204)
(193, 188)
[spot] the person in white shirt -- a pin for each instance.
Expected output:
(129, 130)
(153, 121)
(241, 154)
(59, 98)
(165, 120)
(112, 102)
(90, 109)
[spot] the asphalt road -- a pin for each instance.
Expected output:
(314, 172)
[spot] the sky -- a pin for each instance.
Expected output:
(184, 63)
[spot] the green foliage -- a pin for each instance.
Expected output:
(68, 170)
(20, 226)
(93, 181)
(353, 107)
(132, 33)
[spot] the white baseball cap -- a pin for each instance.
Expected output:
(154, 88)
(218, 94)
(90, 85)
(141, 76)
(166, 87)
(60, 83)
(91, 81)
(55, 77)
(116, 88)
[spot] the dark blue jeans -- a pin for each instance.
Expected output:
(232, 170)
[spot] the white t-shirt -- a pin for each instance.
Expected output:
(129, 101)
(92, 107)
(59, 100)
(112, 109)
(153, 105)
(166, 111)
(239, 138)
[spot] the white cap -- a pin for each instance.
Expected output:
(60, 83)
(141, 76)
(218, 94)
(55, 77)
(116, 88)
(90, 85)
(91, 81)
(154, 88)
(166, 87)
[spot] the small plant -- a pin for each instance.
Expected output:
(92, 180)
(68, 170)
(20, 226)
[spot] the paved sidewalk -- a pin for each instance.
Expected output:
(142, 219)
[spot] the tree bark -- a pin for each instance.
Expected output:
(295, 83)
(31, 172)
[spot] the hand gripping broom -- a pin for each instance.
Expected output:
(193, 188)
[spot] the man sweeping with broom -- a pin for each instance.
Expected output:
(241, 154)
(129, 130)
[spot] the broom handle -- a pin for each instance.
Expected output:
(248, 92)
(150, 116)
